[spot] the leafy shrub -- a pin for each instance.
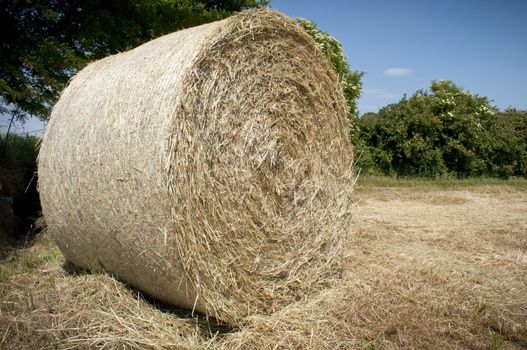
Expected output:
(443, 131)
(18, 183)
(17, 151)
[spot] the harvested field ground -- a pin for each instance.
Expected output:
(428, 267)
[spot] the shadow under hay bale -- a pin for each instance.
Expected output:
(209, 168)
(209, 326)
(7, 225)
(8, 186)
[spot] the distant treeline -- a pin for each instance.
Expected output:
(444, 131)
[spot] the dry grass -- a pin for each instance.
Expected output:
(425, 268)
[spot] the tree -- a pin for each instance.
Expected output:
(44, 42)
(349, 78)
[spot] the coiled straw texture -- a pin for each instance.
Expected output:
(209, 168)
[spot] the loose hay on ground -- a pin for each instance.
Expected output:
(416, 276)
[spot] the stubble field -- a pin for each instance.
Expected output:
(426, 267)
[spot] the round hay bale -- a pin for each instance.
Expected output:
(210, 168)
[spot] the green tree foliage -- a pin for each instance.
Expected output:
(44, 42)
(443, 131)
(505, 147)
(350, 79)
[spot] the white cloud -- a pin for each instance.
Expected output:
(377, 93)
(398, 72)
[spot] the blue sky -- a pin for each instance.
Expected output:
(403, 45)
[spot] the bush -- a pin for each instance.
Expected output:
(18, 188)
(443, 131)
(19, 152)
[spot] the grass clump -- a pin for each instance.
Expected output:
(481, 307)
(496, 340)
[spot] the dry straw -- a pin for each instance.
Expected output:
(209, 168)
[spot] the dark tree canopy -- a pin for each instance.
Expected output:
(44, 42)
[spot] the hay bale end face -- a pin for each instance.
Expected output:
(209, 168)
